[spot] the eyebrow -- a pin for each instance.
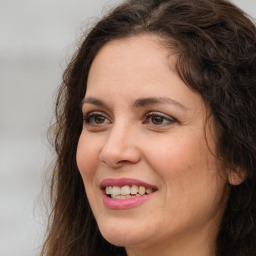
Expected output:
(94, 101)
(138, 103)
(144, 102)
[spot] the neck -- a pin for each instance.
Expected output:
(194, 243)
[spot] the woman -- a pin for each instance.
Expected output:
(155, 134)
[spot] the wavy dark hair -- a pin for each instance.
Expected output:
(216, 46)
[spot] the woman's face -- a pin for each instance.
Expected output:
(144, 136)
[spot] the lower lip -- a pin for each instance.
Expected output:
(125, 203)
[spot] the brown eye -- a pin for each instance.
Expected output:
(99, 119)
(96, 119)
(157, 120)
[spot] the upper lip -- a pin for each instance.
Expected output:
(125, 181)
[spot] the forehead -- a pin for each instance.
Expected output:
(137, 67)
(134, 55)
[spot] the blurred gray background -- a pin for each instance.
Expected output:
(37, 39)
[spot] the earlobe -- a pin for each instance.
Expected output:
(236, 177)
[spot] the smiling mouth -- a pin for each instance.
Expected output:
(127, 191)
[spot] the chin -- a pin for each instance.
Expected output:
(122, 235)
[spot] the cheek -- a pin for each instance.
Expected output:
(86, 156)
(87, 162)
(175, 156)
(186, 167)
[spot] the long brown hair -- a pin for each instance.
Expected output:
(216, 47)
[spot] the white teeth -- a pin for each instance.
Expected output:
(121, 197)
(134, 189)
(142, 190)
(116, 190)
(149, 190)
(126, 191)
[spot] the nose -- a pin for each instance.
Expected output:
(120, 147)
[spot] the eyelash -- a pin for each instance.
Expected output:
(163, 118)
(87, 118)
(167, 119)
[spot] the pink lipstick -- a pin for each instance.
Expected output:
(125, 193)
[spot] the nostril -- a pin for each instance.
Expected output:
(122, 162)
(113, 163)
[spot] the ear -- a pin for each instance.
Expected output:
(236, 177)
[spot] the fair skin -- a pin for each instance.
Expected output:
(144, 123)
